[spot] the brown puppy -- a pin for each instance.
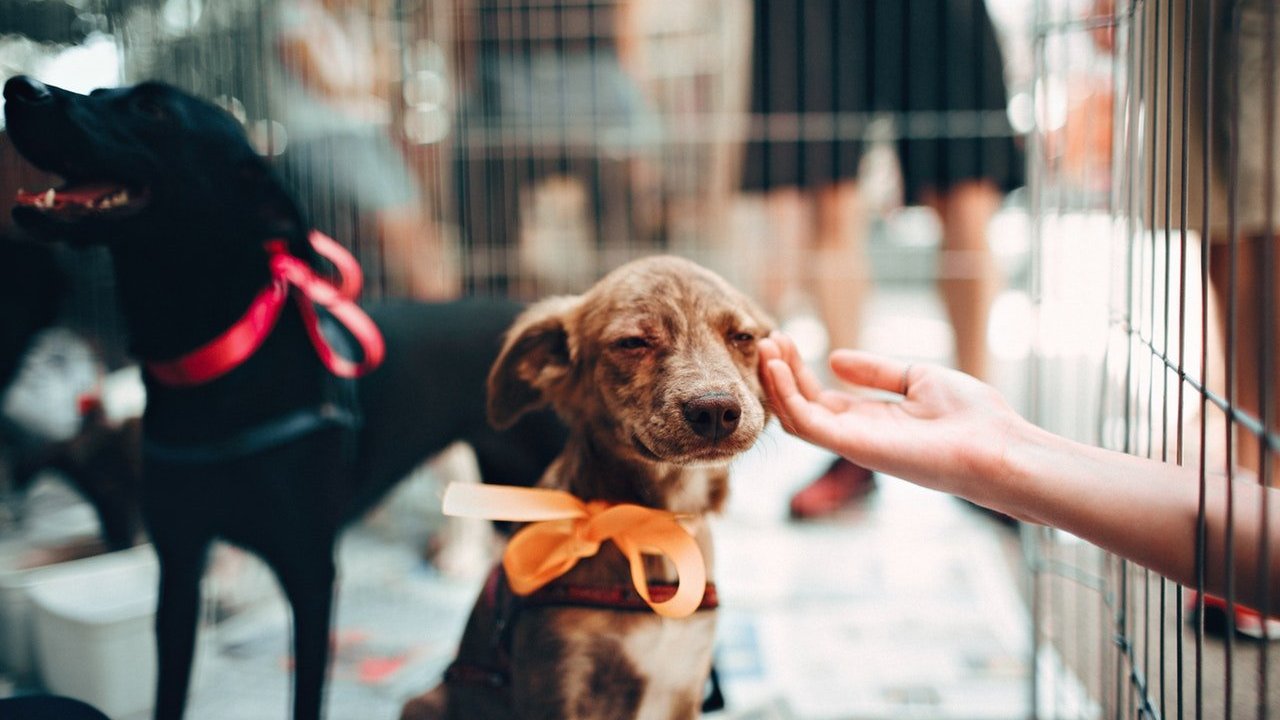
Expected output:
(654, 371)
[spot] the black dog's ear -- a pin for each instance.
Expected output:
(278, 213)
(535, 360)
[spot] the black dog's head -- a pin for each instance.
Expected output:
(141, 163)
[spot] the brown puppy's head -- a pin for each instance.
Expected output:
(656, 364)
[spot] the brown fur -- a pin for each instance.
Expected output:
(654, 372)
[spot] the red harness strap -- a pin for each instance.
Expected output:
(230, 349)
(506, 605)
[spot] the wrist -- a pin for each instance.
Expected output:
(1013, 485)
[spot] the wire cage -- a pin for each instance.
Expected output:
(524, 148)
(505, 140)
(1156, 130)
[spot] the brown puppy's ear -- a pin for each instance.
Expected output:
(535, 357)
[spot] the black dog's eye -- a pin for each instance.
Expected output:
(631, 343)
(151, 108)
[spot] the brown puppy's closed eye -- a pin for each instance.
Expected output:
(654, 372)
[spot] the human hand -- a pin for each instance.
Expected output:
(948, 431)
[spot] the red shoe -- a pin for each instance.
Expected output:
(1247, 622)
(842, 484)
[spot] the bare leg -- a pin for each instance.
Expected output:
(789, 220)
(968, 278)
(1245, 354)
(841, 279)
(839, 266)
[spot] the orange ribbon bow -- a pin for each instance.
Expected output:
(564, 530)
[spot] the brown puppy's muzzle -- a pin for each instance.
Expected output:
(713, 416)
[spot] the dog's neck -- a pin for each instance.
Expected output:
(176, 300)
(593, 473)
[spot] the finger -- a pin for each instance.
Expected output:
(806, 380)
(810, 385)
(769, 350)
(870, 370)
(798, 414)
(778, 382)
(837, 401)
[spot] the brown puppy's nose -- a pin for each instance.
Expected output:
(713, 416)
(26, 90)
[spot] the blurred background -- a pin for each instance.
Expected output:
(955, 181)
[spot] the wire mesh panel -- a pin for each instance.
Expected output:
(1154, 199)
(496, 146)
(475, 145)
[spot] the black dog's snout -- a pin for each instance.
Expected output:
(713, 416)
(22, 89)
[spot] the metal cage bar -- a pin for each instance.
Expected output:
(1194, 97)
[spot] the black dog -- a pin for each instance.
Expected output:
(278, 453)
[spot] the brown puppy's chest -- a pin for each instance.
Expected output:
(588, 663)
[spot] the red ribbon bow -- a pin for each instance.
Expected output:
(230, 349)
(564, 530)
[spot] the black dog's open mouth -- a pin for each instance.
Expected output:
(79, 200)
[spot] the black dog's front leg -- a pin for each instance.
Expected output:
(309, 584)
(177, 616)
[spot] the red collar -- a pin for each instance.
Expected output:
(230, 349)
(610, 597)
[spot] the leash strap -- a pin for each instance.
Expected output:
(233, 347)
(339, 301)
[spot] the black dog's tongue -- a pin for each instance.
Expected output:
(86, 197)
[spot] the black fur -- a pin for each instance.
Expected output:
(188, 261)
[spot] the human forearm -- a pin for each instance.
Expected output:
(1146, 511)
(955, 434)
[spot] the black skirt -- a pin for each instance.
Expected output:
(830, 75)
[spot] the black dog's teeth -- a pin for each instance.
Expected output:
(116, 199)
(42, 201)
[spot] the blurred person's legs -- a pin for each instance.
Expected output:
(1238, 103)
(1245, 354)
(832, 262)
(790, 223)
(1254, 282)
(1239, 63)
(839, 268)
(968, 279)
(818, 247)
